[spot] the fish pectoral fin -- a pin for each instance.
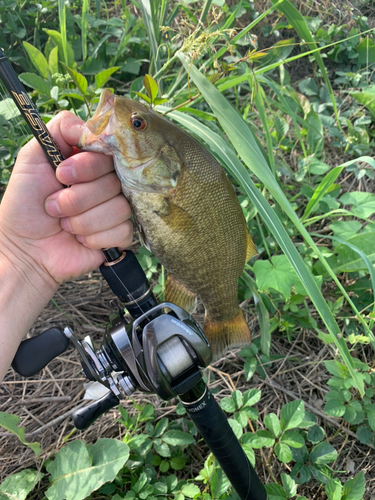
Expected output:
(142, 237)
(178, 294)
(251, 249)
(174, 215)
(227, 334)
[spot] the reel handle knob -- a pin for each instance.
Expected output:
(84, 417)
(35, 353)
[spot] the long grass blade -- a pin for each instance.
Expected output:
(85, 6)
(151, 31)
(245, 144)
(62, 20)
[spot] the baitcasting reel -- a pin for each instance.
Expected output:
(161, 351)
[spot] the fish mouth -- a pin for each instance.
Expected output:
(93, 129)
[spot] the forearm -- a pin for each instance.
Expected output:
(24, 292)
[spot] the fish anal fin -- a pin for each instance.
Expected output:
(224, 335)
(178, 294)
(251, 249)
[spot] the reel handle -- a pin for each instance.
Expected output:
(84, 417)
(35, 353)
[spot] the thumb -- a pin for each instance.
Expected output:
(65, 128)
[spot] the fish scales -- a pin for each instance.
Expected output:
(186, 209)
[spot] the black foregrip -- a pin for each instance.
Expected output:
(213, 426)
(35, 353)
(84, 417)
(123, 275)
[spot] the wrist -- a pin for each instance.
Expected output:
(25, 289)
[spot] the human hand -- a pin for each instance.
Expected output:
(58, 232)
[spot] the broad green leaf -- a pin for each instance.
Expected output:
(177, 463)
(162, 449)
(38, 59)
(10, 423)
(161, 427)
(79, 80)
(151, 86)
(273, 424)
(333, 489)
(275, 492)
(251, 397)
(367, 98)
(283, 453)
(236, 427)
(245, 144)
(8, 109)
(363, 203)
(315, 434)
(53, 61)
(228, 405)
(237, 398)
(176, 438)
(354, 489)
(36, 82)
(250, 367)
(143, 96)
(77, 470)
(219, 483)
(102, 77)
(334, 408)
(289, 485)
(292, 438)
(277, 274)
(323, 453)
(292, 415)
(57, 38)
(260, 439)
(18, 486)
(190, 490)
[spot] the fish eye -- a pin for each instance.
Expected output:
(138, 122)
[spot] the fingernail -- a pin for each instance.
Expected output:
(52, 208)
(65, 224)
(67, 174)
(81, 239)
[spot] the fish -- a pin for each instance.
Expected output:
(186, 210)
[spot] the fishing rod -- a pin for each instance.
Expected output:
(162, 350)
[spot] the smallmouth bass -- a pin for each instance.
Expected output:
(186, 210)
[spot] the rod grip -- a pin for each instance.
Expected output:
(213, 426)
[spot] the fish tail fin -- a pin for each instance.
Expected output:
(223, 335)
(178, 294)
(251, 249)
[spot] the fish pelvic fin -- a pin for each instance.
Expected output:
(178, 294)
(224, 335)
(251, 249)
